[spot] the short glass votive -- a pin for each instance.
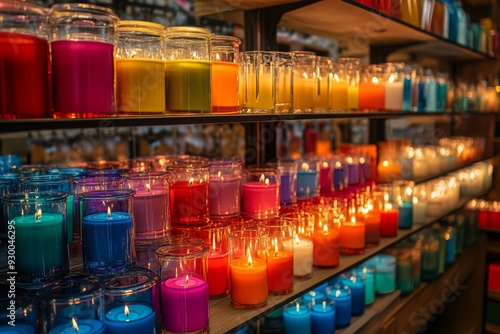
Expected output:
(260, 193)
(403, 197)
(131, 302)
(352, 235)
(367, 272)
(146, 249)
(188, 194)
(404, 271)
(280, 255)
(340, 176)
(22, 309)
(302, 244)
(288, 182)
(341, 294)
(257, 82)
(323, 316)
(224, 188)
(38, 220)
(184, 288)
(389, 216)
(107, 218)
(353, 172)
(304, 67)
(297, 317)
(151, 214)
(385, 273)
(419, 205)
(356, 283)
(248, 268)
(326, 237)
(74, 302)
(307, 179)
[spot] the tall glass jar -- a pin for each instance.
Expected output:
(24, 54)
(187, 70)
(394, 86)
(82, 40)
(140, 70)
(371, 88)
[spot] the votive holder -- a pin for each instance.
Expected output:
(385, 273)
(260, 193)
(225, 188)
(146, 249)
(323, 316)
(341, 294)
(307, 178)
(301, 245)
(297, 317)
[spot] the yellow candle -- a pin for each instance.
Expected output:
(322, 98)
(225, 87)
(352, 97)
(339, 95)
(303, 93)
(260, 92)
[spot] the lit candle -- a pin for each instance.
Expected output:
(340, 94)
(184, 304)
(218, 273)
(248, 281)
(326, 247)
(358, 291)
(388, 221)
(343, 300)
(225, 86)
(188, 202)
(311, 295)
(385, 273)
(405, 215)
(339, 176)
(224, 195)
(323, 317)
(259, 92)
(150, 212)
(371, 95)
(325, 178)
(287, 188)
(302, 256)
(387, 171)
(307, 181)
(280, 271)
(260, 198)
(130, 319)
(372, 227)
(303, 91)
(80, 326)
(352, 170)
(393, 94)
(369, 275)
(419, 210)
(352, 237)
(297, 319)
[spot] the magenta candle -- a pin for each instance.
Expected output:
(325, 178)
(184, 304)
(260, 199)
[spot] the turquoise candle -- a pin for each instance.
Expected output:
(407, 93)
(307, 184)
(405, 215)
(404, 273)
(430, 259)
(385, 276)
(369, 275)
(297, 318)
(442, 93)
(130, 319)
(85, 326)
(431, 98)
(451, 244)
(323, 317)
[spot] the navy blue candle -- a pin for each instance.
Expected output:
(323, 316)
(358, 291)
(339, 176)
(343, 300)
(405, 215)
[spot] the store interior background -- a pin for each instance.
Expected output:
(73, 146)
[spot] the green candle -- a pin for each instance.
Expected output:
(40, 243)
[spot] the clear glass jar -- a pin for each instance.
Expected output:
(322, 96)
(25, 52)
(82, 42)
(394, 86)
(140, 69)
(188, 70)
(304, 80)
(372, 88)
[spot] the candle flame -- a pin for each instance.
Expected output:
(148, 187)
(409, 191)
(375, 80)
(297, 307)
(249, 258)
(38, 214)
(191, 181)
(349, 160)
(262, 178)
(219, 174)
(22, 212)
(338, 293)
(385, 163)
(126, 311)
(325, 164)
(353, 220)
(109, 212)
(74, 324)
(297, 240)
(391, 78)
(324, 304)
(304, 166)
(266, 182)
(187, 279)
(325, 228)
(415, 200)
(361, 160)
(275, 250)
(338, 164)
(387, 206)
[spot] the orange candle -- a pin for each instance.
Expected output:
(248, 282)
(388, 171)
(225, 96)
(280, 271)
(352, 237)
(371, 96)
(326, 247)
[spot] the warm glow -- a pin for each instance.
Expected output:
(385, 163)
(191, 181)
(219, 174)
(391, 79)
(325, 164)
(409, 191)
(349, 160)
(38, 214)
(336, 77)
(324, 304)
(297, 307)
(353, 220)
(249, 258)
(266, 182)
(187, 279)
(109, 212)
(276, 250)
(126, 311)
(262, 178)
(375, 80)
(304, 166)
(75, 325)
(338, 164)
(415, 200)
(388, 206)
(148, 187)
(325, 228)
(217, 56)
(297, 240)
(361, 160)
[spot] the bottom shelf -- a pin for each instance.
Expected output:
(492, 328)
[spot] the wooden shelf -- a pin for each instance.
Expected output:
(494, 295)
(492, 328)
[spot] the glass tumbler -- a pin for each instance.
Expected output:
(224, 188)
(304, 81)
(82, 42)
(257, 82)
(260, 193)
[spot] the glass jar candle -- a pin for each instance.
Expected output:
(288, 182)
(341, 295)
(430, 258)
(304, 81)
(24, 58)
(385, 273)
(140, 69)
(371, 88)
(350, 67)
(403, 198)
(225, 188)
(76, 302)
(340, 173)
(184, 288)
(38, 220)
(404, 270)
(297, 318)
(187, 70)
(307, 178)
(260, 193)
(257, 82)
(339, 87)
(419, 205)
(356, 283)
(394, 74)
(324, 71)
(82, 42)
(107, 222)
(22, 309)
(283, 67)
(225, 59)
(302, 244)
(323, 316)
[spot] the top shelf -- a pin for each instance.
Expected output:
(353, 24)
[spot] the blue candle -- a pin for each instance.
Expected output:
(339, 177)
(323, 317)
(85, 326)
(313, 294)
(451, 245)
(287, 189)
(405, 216)
(17, 329)
(130, 319)
(107, 240)
(358, 291)
(407, 95)
(307, 184)
(297, 319)
(343, 300)
(369, 275)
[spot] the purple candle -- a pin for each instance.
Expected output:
(82, 78)
(184, 304)
(364, 169)
(287, 189)
(150, 213)
(352, 170)
(224, 196)
(339, 177)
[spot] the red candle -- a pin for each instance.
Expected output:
(352, 237)
(388, 222)
(188, 203)
(326, 247)
(218, 274)
(372, 228)
(280, 272)
(325, 178)
(371, 96)
(494, 219)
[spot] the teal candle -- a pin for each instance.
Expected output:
(451, 244)
(307, 184)
(130, 319)
(297, 319)
(323, 317)
(404, 274)
(369, 274)
(405, 215)
(430, 259)
(442, 252)
(40, 243)
(385, 277)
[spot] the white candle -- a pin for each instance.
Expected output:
(393, 94)
(419, 210)
(302, 255)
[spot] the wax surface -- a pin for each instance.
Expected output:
(150, 213)
(260, 199)
(248, 282)
(141, 319)
(188, 203)
(225, 95)
(280, 271)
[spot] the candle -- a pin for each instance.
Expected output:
(280, 271)
(358, 291)
(260, 198)
(393, 94)
(352, 171)
(297, 319)
(287, 189)
(385, 273)
(315, 294)
(352, 237)
(340, 94)
(372, 228)
(130, 319)
(188, 203)
(405, 215)
(224, 195)
(326, 247)
(404, 274)
(184, 304)
(369, 275)
(80, 326)
(106, 238)
(40, 244)
(17, 329)
(342, 298)
(225, 86)
(218, 274)
(259, 92)
(302, 256)
(248, 282)
(430, 259)
(303, 91)
(364, 169)
(371, 95)
(387, 171)
(323, 317)
(140, 85)
(388, 221)
(325, 178)
(150, 213)
(339, 176)
(450, 237)
(307, 182)
(419, 210)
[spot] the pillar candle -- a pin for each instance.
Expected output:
(393, 95)
(388, 222)
(249, 282)
(260, 198)
(218, 273)
(342, 298)
(419, 210)
(302, 256)
(323, 317)
(188, 203)
(224, 196)
(358, 291)
(405, 215)
(280, 271)
(150, 213)
(130, 319)
(372, 228)
(297, 319)
(184, 304)
(352, 237)
(326, 247)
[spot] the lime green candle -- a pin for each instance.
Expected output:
(187, 86)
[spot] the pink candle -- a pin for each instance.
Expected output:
(184, 304)
(224, 196)
(218, 274)
(260, 199)
(188, 203)
(325, 179)
(150, 213)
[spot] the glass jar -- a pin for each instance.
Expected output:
(322, 96)
(339, 87)
(82, 42)
(225, 59)
(224, 188)
(304, 81)
(372, 88)
(140, 69)
(394, 86)
(24, 59)
(187, 70)
(260, 193)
